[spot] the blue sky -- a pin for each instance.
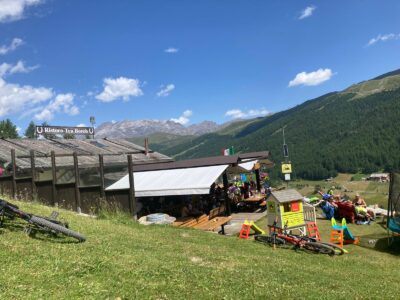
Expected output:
(62, 61)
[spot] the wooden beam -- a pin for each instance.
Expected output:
(33, 174)
(14, 173)
(77, 183)
(53, 179)
(227, 200)
(101, 169)
(132, 200)
(258, 181)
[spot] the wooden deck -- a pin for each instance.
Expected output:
(238, 219)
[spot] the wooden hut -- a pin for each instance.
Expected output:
(286, 208)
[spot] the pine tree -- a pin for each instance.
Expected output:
(8, 130)
(69, 136)
(30, 130)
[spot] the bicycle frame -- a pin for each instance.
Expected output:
(11, 211)
(293, 239)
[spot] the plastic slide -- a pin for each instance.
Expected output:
(347, 234)
(257, 229)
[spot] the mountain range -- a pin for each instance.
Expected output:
(141, 128)
(354, 130)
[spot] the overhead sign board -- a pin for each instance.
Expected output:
(286, 168)
(64, 130)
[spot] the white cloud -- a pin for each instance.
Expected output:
(252, 113)
(12, 10)
(122, 87)
(184, 118)
(62, 103)
(15, 98)
(15, 43)
(113, 121)
(166, 91)
(307, 12)
(171, 50)
(383, 38)
(312, 78)
(81, 125)
(19, 67)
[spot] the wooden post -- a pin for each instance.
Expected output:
(14, 173)
(77, 191)
(33, 175)
(227, 200)
(54, 179)
(132, 200)
(101, 169)
(146, 146)
(258, 181)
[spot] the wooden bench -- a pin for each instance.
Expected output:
(213, 224)
(204, 222)
(190, 221)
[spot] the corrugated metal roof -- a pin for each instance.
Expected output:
(114, 152)
(287, 195)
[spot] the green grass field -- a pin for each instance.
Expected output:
(122, 259)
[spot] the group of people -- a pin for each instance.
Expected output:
(237, 192)
(198, 205)
(330, 206)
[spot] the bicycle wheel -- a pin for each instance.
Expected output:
(319, 248)
(338, 250)
(57, 228)
(270, 240)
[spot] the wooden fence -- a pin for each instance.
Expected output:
(71, 195)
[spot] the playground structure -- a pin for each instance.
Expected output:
(341, 234)
(285, 209)
(246, 227)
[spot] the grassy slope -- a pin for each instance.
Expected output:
(123, 259)
(372, 192)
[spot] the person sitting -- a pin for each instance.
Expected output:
(358, 201)
(361, 208)
(329, 207)
(185, 211)
(246, 192)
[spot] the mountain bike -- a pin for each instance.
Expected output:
(37, 223)
(283, 239)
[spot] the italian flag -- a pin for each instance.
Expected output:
(228, 151)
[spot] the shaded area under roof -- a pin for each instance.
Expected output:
(185, 177)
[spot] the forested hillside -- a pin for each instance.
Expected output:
(354, 130)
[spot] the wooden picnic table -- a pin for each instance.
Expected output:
(254, 199)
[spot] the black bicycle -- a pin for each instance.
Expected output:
(37, 223)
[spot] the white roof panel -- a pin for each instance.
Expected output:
(248, 165)
(188, 181)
